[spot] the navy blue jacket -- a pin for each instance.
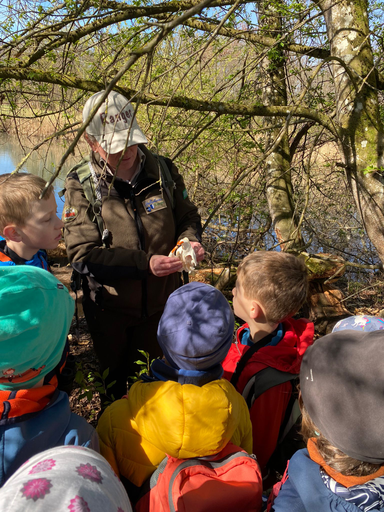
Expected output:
(304, 491)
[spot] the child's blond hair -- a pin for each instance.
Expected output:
(17, 193)
(277, 280)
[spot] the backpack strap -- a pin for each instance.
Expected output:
(264, 380)
(91, 186)
(242, 363)
(151, 482)
(89, 181)
(267, 379)
(292, 414)
(167, 182)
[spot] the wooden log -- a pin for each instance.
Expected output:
(324, 266)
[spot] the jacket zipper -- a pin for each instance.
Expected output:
(237, 346)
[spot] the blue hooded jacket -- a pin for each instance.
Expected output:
(305, 491)
(9, 257)
(35, 420)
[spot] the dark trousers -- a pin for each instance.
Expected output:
(116, 340)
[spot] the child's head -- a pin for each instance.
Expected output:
(35, 315)
(24, 218)
(276, 281)
(341, 381)
(196, 329)
(78, 479)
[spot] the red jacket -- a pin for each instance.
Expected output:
(267, 412)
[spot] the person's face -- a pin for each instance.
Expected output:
(42, 229)
(241, 305)
(128, 162)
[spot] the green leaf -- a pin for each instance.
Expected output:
(79, 377)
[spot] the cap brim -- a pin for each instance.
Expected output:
(117, 141)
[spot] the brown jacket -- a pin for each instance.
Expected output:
(118, 276)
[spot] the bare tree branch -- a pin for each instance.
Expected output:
(147, 48)
(318, 53)
(177, 101)
(119, 12)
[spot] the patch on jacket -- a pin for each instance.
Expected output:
(70, 213)
(154, 204)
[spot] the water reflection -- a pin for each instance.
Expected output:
(41, 163)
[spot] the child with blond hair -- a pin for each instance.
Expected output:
(28, 225)
(271, 287)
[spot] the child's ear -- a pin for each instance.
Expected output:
(256, 310)
(12, 233)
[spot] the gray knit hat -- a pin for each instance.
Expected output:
(342, 385)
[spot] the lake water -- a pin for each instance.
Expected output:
(42, 162)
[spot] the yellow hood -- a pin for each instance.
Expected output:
(183, 421)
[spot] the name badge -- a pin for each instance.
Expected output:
(153, 204)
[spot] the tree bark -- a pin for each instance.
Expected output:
(357, 108)
(278, 164)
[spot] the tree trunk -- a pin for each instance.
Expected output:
(278, 164)
(358, 116)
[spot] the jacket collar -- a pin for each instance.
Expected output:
(347, 481)
(243, 335)
(17, 260)
(288, 353)
(19, 404)
(163, 372)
